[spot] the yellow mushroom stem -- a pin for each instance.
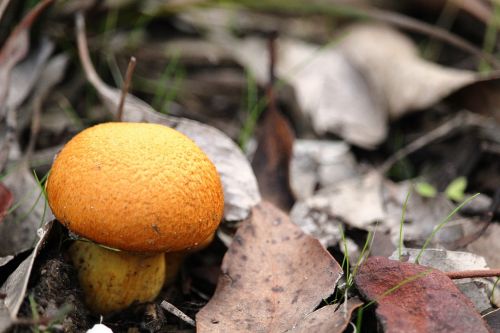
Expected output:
(174, 260)
(113, 280)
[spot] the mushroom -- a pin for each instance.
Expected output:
(133, 191)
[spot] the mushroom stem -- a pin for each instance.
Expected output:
(174, 260)
(113, 280)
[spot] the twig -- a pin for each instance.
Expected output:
(479, 273)
(126, 86)
(178, 313)
(460, 121)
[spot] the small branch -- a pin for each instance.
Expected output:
(479, 273)
(126, 86)
(178, 313)
(460, 121)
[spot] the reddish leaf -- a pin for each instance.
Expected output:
(271, 162)
(6, 199)
(273, 277)
(425, 299)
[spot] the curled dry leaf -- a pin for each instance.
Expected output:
(25, 76)
(240, 186)
(422, 299)
(273, 277)
(390, 62)
(13, 51)
(14, 288)
(18, 232)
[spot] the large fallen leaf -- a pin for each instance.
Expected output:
(273, 277)
(240, 186)
(352, 86)
(271, 161)
(422, 299)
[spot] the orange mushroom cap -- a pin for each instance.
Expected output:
(136, 187)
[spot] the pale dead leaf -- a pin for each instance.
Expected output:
(273, 276)
(27, 73)
(367, 200)
(318, 164)
(13, 51)
(395, 72)
(357, 202)
(240, 186)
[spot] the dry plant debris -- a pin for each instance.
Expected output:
(382, 105)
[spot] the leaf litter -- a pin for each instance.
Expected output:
(340, 196)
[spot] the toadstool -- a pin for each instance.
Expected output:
(140, 189)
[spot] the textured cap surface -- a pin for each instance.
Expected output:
(136, 187)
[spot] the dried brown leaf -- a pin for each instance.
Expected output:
(423, 299)
(271, 161)
(273, 277)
